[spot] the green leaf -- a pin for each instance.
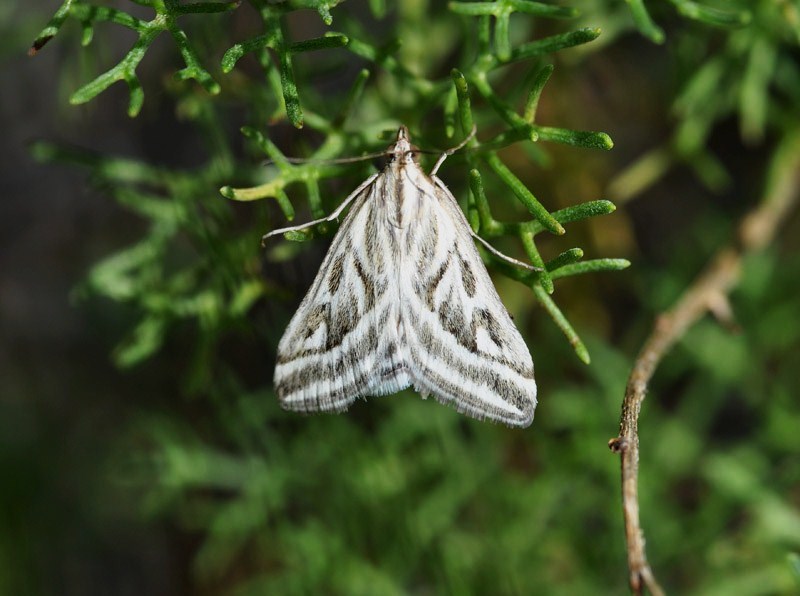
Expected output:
(561, 321)
(536, 91)
(592, 266)
(328, 41)
(290, 95)
(577, 213)
(506, 6)
(711, 15)
(524, 195)
(143, 342)
(576, 138)
(565, 258)
(644, 22)
(236, 51)
(464, 102)
(534, 49)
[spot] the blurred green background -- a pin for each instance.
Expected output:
(142, 449)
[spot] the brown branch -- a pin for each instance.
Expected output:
(708, 293)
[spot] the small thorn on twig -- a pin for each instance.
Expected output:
(618, 444)
(720, 307)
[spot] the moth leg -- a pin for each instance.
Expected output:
(452, 150)
(502, 256)
(333, 215)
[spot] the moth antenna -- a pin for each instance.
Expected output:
(332, 161)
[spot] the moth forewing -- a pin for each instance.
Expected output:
(403, 299)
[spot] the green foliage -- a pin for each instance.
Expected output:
(422, 498)
(707, 14)
(403, 495)
(187, 264)
(493, 53)
(166, 17)
(753, 76)
(167, 13)
(490, 57)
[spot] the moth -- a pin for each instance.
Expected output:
(403, 299)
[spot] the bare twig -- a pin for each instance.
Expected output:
(708, 293)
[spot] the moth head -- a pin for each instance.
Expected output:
(402, 151)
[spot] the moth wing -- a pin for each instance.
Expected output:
(339, 345)
(463, 346)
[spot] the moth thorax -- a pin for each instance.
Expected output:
(402, 150)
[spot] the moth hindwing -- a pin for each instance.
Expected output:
(403, 299)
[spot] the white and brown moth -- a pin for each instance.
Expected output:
(403, 299)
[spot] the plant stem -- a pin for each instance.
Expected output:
(708, 293)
